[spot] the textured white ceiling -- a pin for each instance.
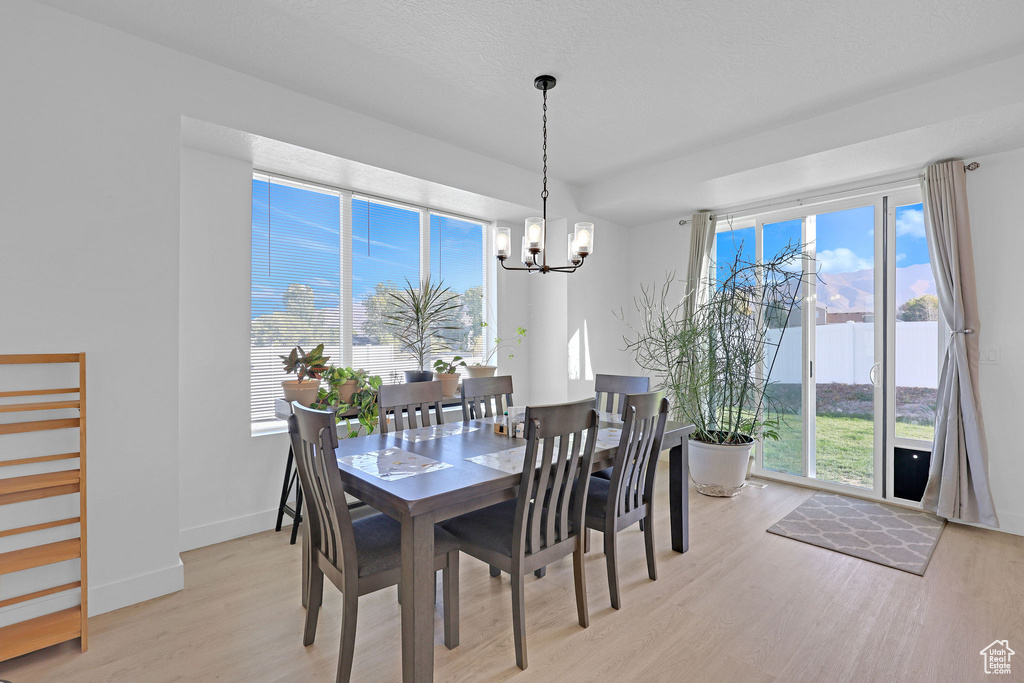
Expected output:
(640, 83)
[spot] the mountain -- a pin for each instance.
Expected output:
(847, 292)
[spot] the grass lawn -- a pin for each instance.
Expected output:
(844, 452)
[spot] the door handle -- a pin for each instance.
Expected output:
(873, 374)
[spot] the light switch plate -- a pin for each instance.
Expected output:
(989, 356)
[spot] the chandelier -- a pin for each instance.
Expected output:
(534, 250)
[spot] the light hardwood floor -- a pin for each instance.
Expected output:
(741, 605)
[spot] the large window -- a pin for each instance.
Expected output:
(324, 262)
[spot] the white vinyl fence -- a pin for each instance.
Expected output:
(845, 353)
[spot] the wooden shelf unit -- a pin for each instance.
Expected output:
(33, 634)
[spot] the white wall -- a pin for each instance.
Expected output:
(996, 205)
(89, 262)
(228, 481)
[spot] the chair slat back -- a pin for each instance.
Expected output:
(407, 399)
(553, 495)
(643, 431)
(482, 396)
(328, 521)
(608, 388)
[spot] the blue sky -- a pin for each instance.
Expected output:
(845, 239)
(303, 242)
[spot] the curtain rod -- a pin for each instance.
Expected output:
(972, 166)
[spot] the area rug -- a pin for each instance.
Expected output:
(891, 536)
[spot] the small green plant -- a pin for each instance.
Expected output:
(443, 367)
(363, 400)
(504, 344)
(312, 365)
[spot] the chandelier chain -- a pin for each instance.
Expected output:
(544, 193)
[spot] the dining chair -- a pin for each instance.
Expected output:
(612, 387)
(627, 498)
(540, 525)
(358, 556)
(408, 398)
(482, 396)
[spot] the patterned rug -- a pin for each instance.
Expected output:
(892, 536)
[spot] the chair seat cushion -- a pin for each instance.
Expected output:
(597, 497)
(490, 527)
(379, 543)
(605, 474)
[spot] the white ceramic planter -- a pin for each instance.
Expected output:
(449, 383)
(718, 469)
(304, 392)
(481, 370)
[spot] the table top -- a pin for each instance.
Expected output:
(463, 481)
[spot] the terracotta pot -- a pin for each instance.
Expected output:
(346, 390)
(449, 383)
(304, 392)
(419, 376)
(481, 370)
(719, 469)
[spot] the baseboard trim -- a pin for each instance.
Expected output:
(118, 594)
(227, 529)
(1009, 523)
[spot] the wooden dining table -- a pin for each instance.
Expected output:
(418, 502)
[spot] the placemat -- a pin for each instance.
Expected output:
(392, 464)
(434, 432)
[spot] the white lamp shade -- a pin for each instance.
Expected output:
(574, 252)
(534, 233)
(584, 239)
(528, 258)
(502, 242)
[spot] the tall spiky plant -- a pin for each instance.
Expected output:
(716, 365)
(419, 316)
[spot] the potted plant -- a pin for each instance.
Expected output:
(448, 373)
(419, 317)
(349, 390)
(482, 369)
(716, 363)
(341, 384)
(307, 368)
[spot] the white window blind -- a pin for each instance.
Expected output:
(385, 253)
(296, 283)
(457, 257)
(323, 264)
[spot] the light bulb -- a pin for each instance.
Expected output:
(502, 243)
(534, 232)
(585, 238)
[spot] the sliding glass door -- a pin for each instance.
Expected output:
(848, 396)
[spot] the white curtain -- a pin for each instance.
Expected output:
(958, 486)
(702, 241)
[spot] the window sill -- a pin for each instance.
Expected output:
(268, 428)
(281, 427)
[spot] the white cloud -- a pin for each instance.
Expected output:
(841, 260)
(911, 222)
(900, 257)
